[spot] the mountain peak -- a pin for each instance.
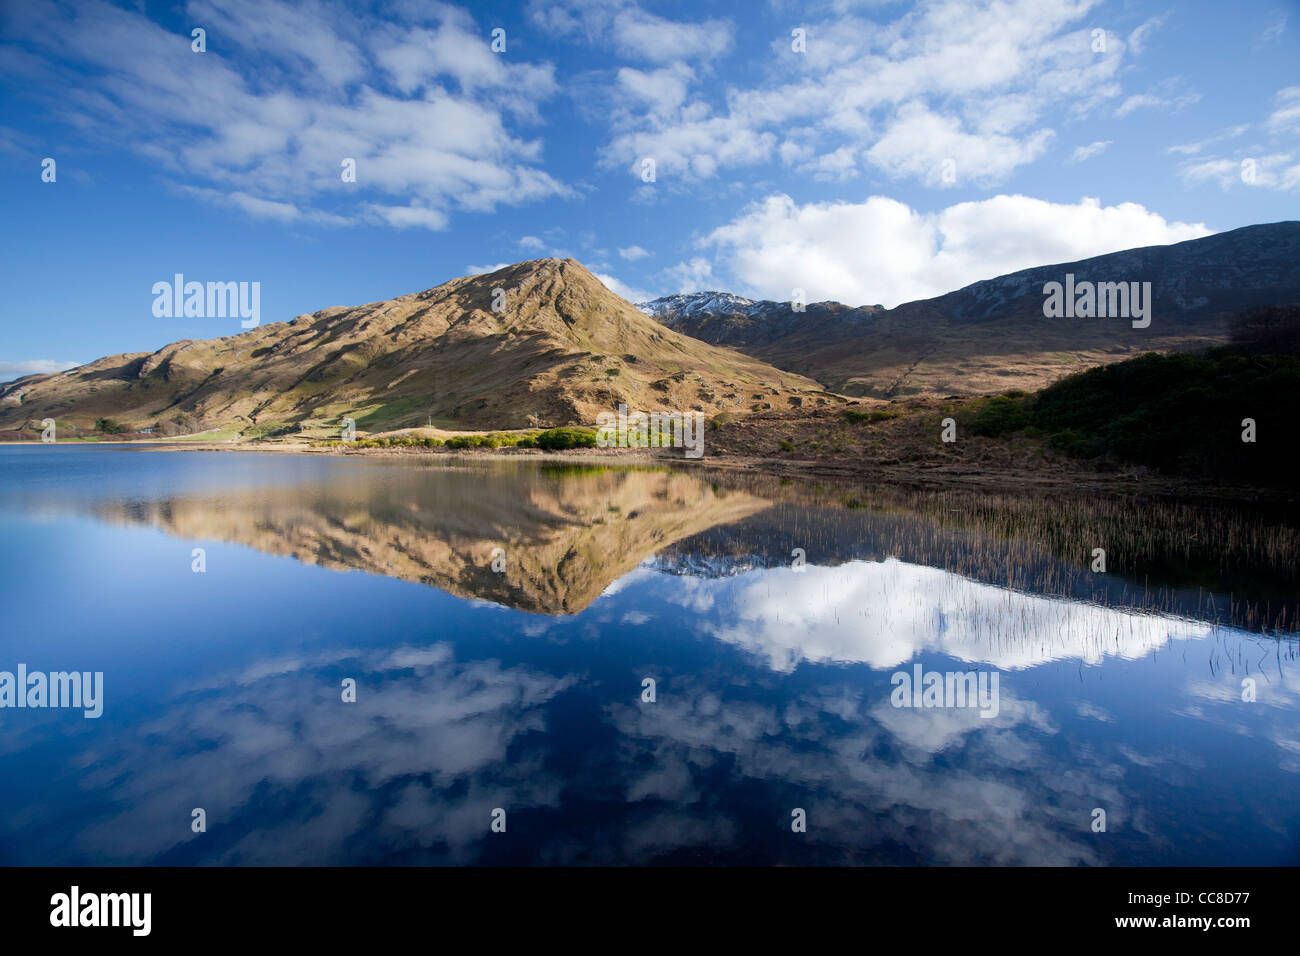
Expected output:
(537, 343)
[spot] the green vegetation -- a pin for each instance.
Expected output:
(1180, 413)
(1183, 413)
(996, 415)
(858, 418)
(110, 427)
(214, 434)
(554, 439)
(268, 430)
(407, 441)
(558, 439)
(375, 418)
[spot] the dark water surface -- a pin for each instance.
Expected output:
(522, 689)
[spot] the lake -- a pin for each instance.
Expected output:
(427, 660)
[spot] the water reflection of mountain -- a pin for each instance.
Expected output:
(567, 533)
(564, 535)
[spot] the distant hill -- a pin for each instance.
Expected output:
(747, 324)
(563, 349)
(991, 336)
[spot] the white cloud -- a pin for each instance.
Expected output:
(267, 115)
(919, 142)
(633, 32)
(1274, 30)
(638, 33)
(1137, 102)
(633, 253)
(1137, 39)
(945, 80)
(1082, 153)
(696, 275)
(1280, 171)
(472, 270)
(883, 251)
(1164, 95)
(631, 293)
(404, 217)
(785, 619)
(1189, 149)
(268, 209)
(12, 370)
(1286, 117)
(1255, 166)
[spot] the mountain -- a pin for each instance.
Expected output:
(992, 335)
(563, 349)
(745, 324)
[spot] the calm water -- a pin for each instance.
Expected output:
(522, 689)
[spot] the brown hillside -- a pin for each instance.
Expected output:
(563, 349)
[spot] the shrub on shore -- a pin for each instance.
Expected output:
(559, 439)
(1181, 413)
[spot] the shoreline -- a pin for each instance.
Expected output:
(844, 474)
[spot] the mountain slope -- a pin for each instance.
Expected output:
(991, 336)
(748, 325)
(563, 349)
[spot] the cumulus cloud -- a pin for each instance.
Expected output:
(921, 144)
(883, 251)
(633, 253)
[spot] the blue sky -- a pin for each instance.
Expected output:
(906, 150)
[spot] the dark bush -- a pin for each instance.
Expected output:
(1180, 413)
(1267, 330)
(996, 416)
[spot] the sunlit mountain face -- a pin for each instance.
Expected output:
(635, 665)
